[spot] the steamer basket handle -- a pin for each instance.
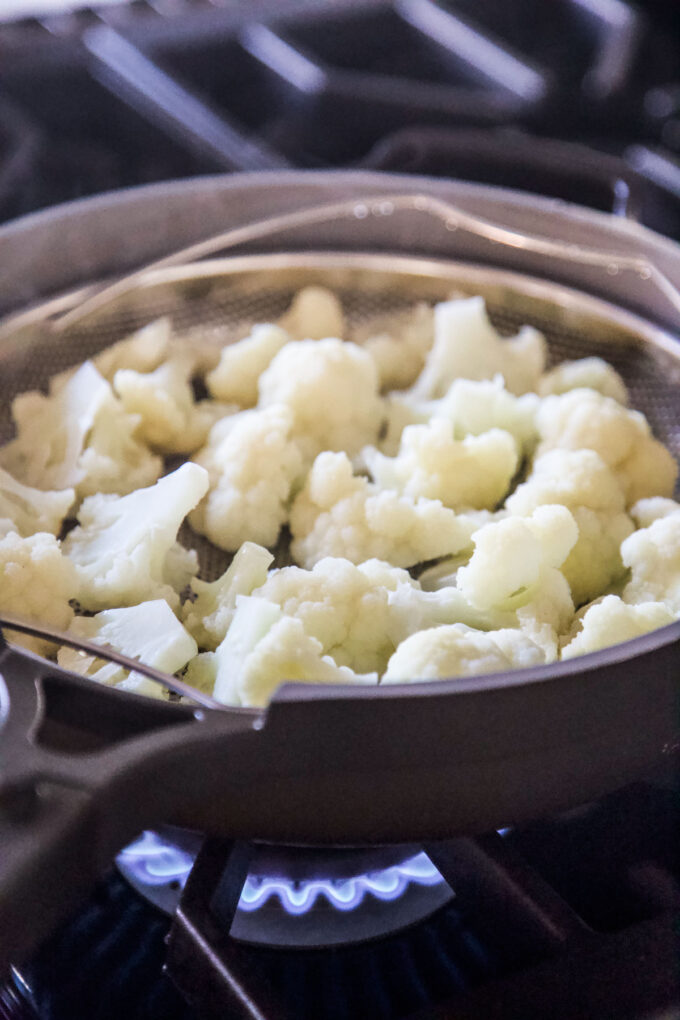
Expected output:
(81, 774)
(422, 225)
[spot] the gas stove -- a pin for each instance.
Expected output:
(570, 916)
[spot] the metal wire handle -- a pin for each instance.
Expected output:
(11, 622)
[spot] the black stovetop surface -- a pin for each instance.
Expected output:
(574, 99)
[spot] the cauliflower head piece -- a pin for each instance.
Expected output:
(149, 632)
(236, 377)
(398, 344)
(584, 419)
(253, 465)
(209, 615)
(586, 373)
(466, 346)
(338, 514)
(314, 313)
(610, 621)
(473, 472)
(124, 549)
(79, 437)
(331, 389)
(264, 648)
(653, 556)
(29, 510)
(37, 582)
(457, 650)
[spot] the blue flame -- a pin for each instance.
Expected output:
(156, 861)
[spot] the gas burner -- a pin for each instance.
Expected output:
(297, 897)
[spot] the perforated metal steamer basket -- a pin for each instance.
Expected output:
(84, 767)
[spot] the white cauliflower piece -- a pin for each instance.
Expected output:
(586, 373)
(338, 514)
(235, 379)
(29, 510)
(472, 472)
(79, 437)
(581, 481)
(653, 556)
(646, 511)
(511, 555)
(263, 649)
(121, 549)
(472, 407)
(37, 582)
(584, 419)
(343, 606)
(466, 346)
(611, 621)
(315, 313)
(149, 632)
(208, 617)
(457, 650)
(170, 421)
(331, 388)
(253, 465)
(398, 344)
(142, 351)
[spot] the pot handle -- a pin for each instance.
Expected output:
(422, 225)
(77, 760)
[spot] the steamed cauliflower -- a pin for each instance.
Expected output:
(653, 556)
(315, 313)
(338, 514)
(331, 389)
(472, 472)
(235, 380)
(581, 481)
(584, 419)
(209, 615)
(263, 649)
(586, 373)
(457, 650)
(610, 621)
(28, 510)
(149, 632)
(37, 582)
(170, 421)
(398, 345)
(466, 346)
(253, 465)
(124, 549)
(79, 437)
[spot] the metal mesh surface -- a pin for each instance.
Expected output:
(218, 306)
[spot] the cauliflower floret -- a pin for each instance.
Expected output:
(338, 514)
(471, 472)
(581, 481)
(331, 388)
(29, 510)
(610, 621)
(149, 632)
(343, 606)
(584, 419)
(398, 344)
(653, 556)
(511, 555)
(586, 373)
(466, 346)
(236, 378)
(37, 582)
(253, 466)
(122, 546)
(457, 650)
(646, 511)
(209, 615)
(142, 351)
(263, 648)
(79, 437)
(472, 407)
(315, 313)
(170, 421)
